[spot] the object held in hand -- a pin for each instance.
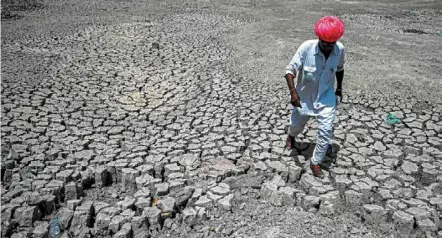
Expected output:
(338, 94)
(296, 101)
(338, 99)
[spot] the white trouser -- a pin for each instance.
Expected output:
(325, 131)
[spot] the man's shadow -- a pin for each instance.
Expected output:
(306, 149)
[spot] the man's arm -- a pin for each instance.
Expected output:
(290, 74)
(294, 97)
(340, 76)
(339, 79)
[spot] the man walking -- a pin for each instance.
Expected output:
(317, 63)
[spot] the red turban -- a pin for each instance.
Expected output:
(329, 28)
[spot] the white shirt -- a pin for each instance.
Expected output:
(316, 78)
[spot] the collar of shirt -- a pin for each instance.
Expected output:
(316, 50)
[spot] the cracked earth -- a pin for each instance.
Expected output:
(165, 119)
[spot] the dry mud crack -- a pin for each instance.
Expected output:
(165, 126)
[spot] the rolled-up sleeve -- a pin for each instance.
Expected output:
(296, 61)
(341, 64)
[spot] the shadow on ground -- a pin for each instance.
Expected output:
(306, 149)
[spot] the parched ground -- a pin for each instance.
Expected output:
(166, 119)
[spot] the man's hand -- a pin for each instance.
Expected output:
(338, 93)
(294, 99)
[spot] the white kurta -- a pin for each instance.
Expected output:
(315, 87)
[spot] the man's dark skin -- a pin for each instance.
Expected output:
(326, 48)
